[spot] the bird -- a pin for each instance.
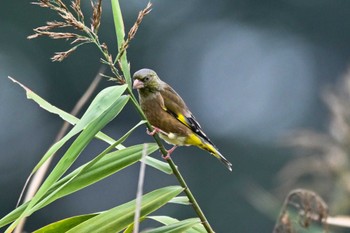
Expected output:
(169, 115)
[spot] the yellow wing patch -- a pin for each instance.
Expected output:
(183, 120)
(178, 116)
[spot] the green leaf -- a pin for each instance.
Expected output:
(199, 228)
(183, 200)
(166, 220)
(66, 116)
(101, 111)
(160, 165)
(120, 32)
(120, 217)
(177, 227)
(13, 215)
(65, 224)
(46, 105)
(130, 228)
(118, 22)
(78, 145)
(155, 163)
(100, 103)
(106, 166)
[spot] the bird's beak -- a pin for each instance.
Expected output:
(137, 84)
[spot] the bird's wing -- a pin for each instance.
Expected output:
(175, 106)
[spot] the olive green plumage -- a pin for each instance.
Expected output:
(166, 111)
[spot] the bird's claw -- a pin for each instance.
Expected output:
(166, 157)
(169, 153)
(153, 132)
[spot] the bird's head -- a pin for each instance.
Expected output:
(146, 79)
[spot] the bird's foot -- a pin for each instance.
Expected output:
(154, 131)
(169, 153)
(166, 157)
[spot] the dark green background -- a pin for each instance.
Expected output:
(250, 70)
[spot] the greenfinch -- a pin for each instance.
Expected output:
(170, 117)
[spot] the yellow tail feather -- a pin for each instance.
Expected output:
(196, 140)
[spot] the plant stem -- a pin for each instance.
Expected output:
(175, 170)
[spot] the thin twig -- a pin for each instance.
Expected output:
(38, 177)
(140, 189)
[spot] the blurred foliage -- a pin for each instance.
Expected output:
(323, 163)
(177, 40)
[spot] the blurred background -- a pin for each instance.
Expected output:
(251, 71)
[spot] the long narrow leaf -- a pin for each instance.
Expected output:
(46, 105)
(118, 218)
(120, 32)
(106, 166)
(166, 220)
(63, 114)
(177, 227)
(183, 200)
(78, 145)
(108, 93)
(102, 110)
(65, 224)
(110, 164)
(160, 165)
(118, 22)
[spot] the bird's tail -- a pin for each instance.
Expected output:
(212, 150)
(196, 140)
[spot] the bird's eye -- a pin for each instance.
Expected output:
(146, 79)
